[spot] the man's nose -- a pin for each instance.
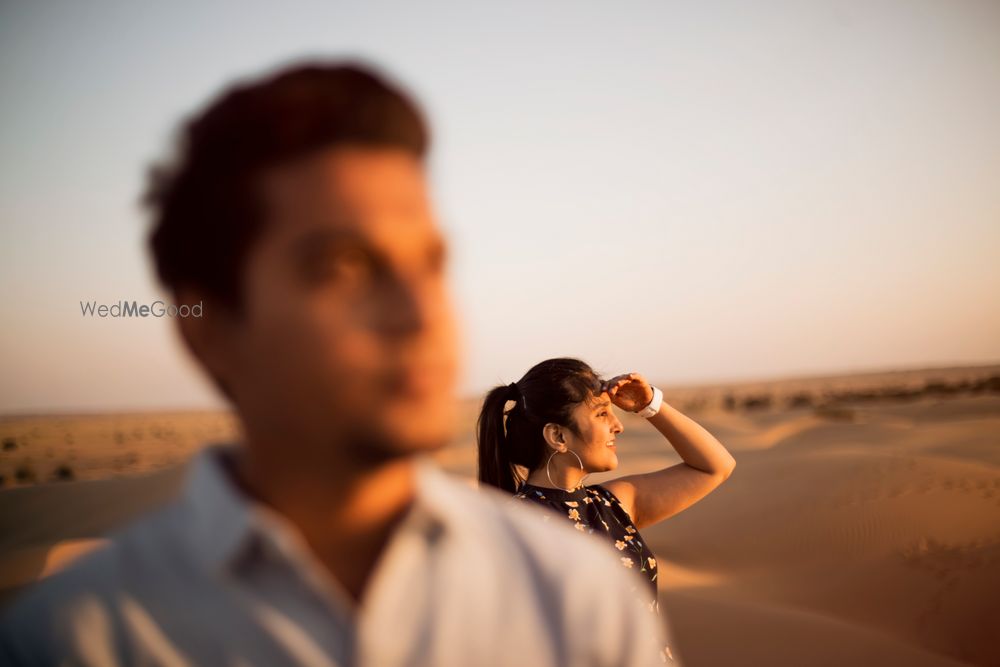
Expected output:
(408, 307)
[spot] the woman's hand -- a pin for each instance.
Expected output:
(630, 392)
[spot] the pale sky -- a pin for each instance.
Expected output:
(697, 191)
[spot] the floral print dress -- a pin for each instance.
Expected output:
(595, 509)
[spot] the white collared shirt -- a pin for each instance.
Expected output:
(467, 578)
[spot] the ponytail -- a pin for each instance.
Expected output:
(495, 466)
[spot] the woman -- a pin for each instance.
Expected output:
(562, 427)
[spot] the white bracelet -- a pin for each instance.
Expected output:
(654, 405)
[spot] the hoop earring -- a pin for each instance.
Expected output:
(549, 474)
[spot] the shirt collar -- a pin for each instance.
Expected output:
(221, 521)
(217, 514)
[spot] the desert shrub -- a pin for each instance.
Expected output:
(900, 393)
(986, 384)
(800, 400)
(64, 473)
(758, 402)
(25, 474)
(940, 388)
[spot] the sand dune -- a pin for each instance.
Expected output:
(862, 526)
(888, 523)
(740, 631)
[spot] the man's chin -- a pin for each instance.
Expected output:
(401, 429)
(392, 441)
(388, 446)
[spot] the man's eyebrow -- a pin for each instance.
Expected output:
(327, 237)
(317, 243)
(603, 404)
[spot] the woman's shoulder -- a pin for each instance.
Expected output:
(606, 495)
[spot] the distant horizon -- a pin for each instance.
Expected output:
(469, 397)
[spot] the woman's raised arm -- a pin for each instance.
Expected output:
(654, 496)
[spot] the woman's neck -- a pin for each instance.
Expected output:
(564, 477)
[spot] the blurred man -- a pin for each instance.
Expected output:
(297, 213)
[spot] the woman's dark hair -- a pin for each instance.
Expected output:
(547, 393)
(205, 205)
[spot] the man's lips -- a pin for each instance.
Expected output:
(419, 381)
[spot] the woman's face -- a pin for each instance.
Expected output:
(598, 426)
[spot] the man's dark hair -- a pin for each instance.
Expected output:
(205, 203)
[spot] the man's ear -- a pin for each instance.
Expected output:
(553, 434)
(207, 336)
